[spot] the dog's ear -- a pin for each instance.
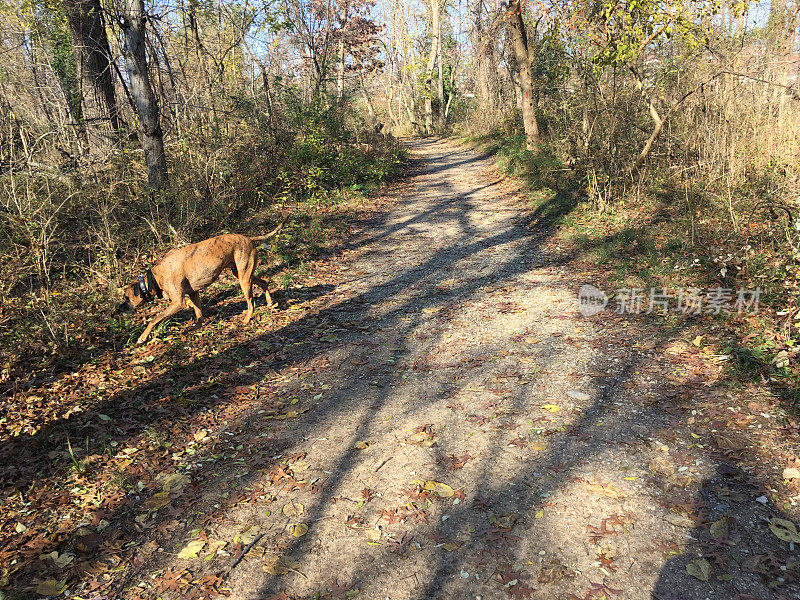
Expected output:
(137, 291)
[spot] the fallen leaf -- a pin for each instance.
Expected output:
(553, 571)
(451, 546)
(723, 528)
(280, 565)
(791, 473)
(293, 509)
(51, 587)
(248, 534)
(661, 466)
(440, 489)
(679, 520)
(699, 569)
(784, 530)
(299, 530)
(506, 520)
(175, 482)
(159, 500)
(192, 549)
(213, 548)
(553, 408)
(372, 535)
(59, 560)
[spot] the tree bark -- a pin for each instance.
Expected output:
(100, 118)
(340, 72)
(522, 54)
(440, 80)
(658, 123)
(436, 31)
(150, 134)
(483, 43)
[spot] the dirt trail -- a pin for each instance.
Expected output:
(452, 351)
(427, 416)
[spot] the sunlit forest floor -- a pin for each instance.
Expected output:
(426, 415)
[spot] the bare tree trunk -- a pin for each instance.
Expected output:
(440, 81)
(87, 28)
(436, 32)
(340, 72)
(151, 135)
(779, 42)
(519, 41)
(483, 44)
(658, 122)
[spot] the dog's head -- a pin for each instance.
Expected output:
(133, 298)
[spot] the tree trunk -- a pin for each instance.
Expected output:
(100, 117)
(440, 81)
(436, 32)
(151, 136)
(340, 72)
(483, 44)
(658, 122)
(519, 41)
(779, 43)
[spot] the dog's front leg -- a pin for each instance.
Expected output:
(165, 314)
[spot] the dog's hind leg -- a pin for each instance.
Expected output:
(165, 314)
(246, 281)
(264, 286)
(196, 304)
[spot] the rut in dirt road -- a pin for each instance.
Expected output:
(460, 430)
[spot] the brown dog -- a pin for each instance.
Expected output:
(185, 271)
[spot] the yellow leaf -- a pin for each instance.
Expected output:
(192, 549)
(539, 514)
(553, 408)
(784, 530)
(51, 587)
(696, 342)
(299, 530)
(451, 546)
(440, 489)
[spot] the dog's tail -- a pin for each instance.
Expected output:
(264, 238)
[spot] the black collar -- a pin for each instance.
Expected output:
(148, 285)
